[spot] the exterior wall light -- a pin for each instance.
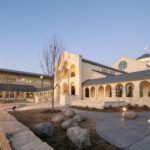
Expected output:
(124, 109)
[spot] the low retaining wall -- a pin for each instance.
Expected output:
(4, 144)
(88, 103)
(20, 136)
(114, 103)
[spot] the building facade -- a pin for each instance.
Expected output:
(85, 83)
(93, 84)
(19, 85)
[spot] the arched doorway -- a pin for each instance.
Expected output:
(73, 91)
(87, 92)
(92, 91)
(108, 91)
(101, 91)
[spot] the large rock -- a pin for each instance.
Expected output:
(78, 118)
(130, 115)
(69, 123)
(58, 118)
(44, 129)
(70, 113)
(80, 137)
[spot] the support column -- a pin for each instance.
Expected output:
(136, 92)
(113, 91)
(104, 86)
(124, 91)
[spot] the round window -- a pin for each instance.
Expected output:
(122, 65)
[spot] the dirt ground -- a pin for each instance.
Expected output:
(111, 109)
(59, 139)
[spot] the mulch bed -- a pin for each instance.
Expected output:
(59, 139)
(111, 109)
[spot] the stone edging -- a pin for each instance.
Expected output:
(4, 144)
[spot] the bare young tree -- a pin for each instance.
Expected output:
(52, 63)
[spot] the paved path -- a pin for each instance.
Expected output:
(27, 106)
(126, 134)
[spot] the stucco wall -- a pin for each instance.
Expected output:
(132, 64)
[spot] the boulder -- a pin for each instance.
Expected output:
(58, 118)
(130, 115)
(78, 118)
(80, 137)
(70, 113)
(44, 129)
(69, 123)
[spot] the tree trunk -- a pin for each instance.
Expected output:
(52, 107)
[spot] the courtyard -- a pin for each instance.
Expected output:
(111, 126)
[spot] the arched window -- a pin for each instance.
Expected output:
(119, 90)
(122, 65)
(129, 90)
(145, 89)
(27, 95)
(73, 70)
(72, 90)
(86, 92)
(12, 95)
(1, 94)
(31, 95)
(72, 74)
(7, 95)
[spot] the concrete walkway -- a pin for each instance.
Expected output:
(27, 106)
(126, 134)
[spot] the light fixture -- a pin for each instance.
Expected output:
(124, 109)
(68, 67)
(41, 77)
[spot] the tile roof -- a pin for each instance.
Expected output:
(44, 89)
(140, 75)
(101, 65)
(144, 56)
(17, 87)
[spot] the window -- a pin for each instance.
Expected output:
(122, 65)
(119, 91)
(72, 90)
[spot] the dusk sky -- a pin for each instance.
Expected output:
(100, 30)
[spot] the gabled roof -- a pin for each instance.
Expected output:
(23, 73)
(17, 88)
(140, 75)
(101, 65)
(144, 56)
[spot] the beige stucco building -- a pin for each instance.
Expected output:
(85, 83)
(92, 84)
(20, 85)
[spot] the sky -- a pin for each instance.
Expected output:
(99, 30)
